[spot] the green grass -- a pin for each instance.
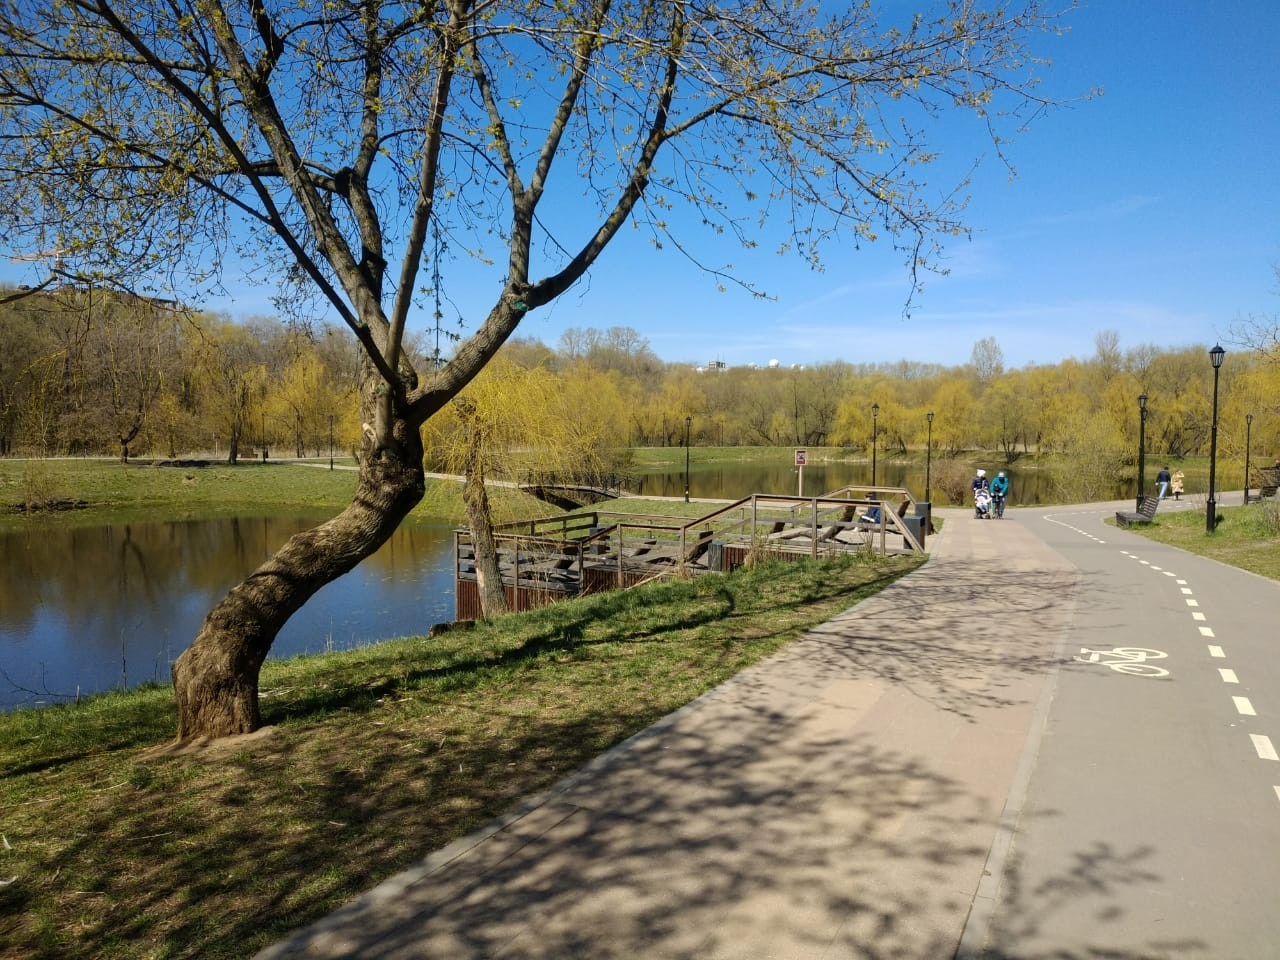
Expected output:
(377, 757)
(1245, 537)
(107, 491)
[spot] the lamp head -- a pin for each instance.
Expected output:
(875, 410)
(1216, 355)
(1142, 401)
(929, 416)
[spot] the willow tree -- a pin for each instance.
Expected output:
(329, 140)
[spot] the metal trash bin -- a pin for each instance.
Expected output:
(916, 525)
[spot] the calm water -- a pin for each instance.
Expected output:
(103, 607)
(97, 608)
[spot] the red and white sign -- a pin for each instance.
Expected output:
(801, 457)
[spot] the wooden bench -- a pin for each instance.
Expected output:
(1145, 513)
(1264, 493)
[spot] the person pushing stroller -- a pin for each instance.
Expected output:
(981, 496)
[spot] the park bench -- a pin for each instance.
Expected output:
(1145, 513)
(1264, 493)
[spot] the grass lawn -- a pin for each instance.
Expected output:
(1246, 537)
(376, 757)
(107, 491)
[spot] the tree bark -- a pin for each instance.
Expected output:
(216, 680)
(493, 598)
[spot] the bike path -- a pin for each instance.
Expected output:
(929, 772)
(1151, 821)
(839, 800)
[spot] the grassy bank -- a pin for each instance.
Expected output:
(106, 491)
(1246, 537)
(377, 757)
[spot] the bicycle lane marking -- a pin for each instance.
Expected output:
(1262, 744)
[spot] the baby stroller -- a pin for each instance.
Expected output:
(982, 503)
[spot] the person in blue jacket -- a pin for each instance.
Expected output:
(999, 490)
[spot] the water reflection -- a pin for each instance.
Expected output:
(95, 608)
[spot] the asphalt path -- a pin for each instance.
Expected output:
(1054, 741)
(1150, 826)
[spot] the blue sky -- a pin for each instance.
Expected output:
(1152, 210)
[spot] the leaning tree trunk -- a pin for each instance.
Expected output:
(216, 680)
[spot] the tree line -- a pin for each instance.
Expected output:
(90, 372)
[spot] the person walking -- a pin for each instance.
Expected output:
(1162, 482)
(1176, 485)
(999, 490)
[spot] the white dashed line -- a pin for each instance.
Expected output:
(1244, 706)
(1266, 750)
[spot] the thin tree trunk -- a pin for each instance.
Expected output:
(493, 598)
(216, 680)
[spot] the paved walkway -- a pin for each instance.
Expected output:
(842, 799)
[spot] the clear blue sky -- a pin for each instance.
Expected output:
(1152, 210)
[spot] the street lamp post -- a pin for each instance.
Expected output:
(1248, 431)
(1142, 447)
(928, 458)
(875, 413)
(264, 436)
(331, 441)
(1211, 517)
(688, 421)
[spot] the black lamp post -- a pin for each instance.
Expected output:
(875, 413)
(688, 421)
(1142, 447)
(264, 436)
(928, 457)
(1248, 430)
(1211, 518)
(331, 441)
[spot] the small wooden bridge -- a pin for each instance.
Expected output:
(552, 558)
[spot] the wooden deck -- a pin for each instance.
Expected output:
(546, 559)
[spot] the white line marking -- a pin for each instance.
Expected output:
(1216, 652)
(1154, 567)
(1206, 632)
(1186, 590)
(1170, 573)
(1266, 750)
(1244, 707)
(1228, 676)
(1145, 563)
(1182, 582)
(1278, 793)
(1192, 603)
(1198, 616)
